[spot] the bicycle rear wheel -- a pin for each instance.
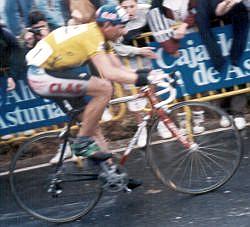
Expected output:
(208, 166)
(31, 174)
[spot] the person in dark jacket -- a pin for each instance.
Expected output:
(232, 10)
(236, 13)
(9, 47)
(11, 65)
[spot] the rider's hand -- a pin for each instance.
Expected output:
(148, 76)
(11, 84)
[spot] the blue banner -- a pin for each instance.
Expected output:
(20, 109)
(195, 71)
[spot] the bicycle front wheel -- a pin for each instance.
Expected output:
(212, 160)
(31, 175)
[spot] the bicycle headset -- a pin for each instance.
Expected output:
(113, 14)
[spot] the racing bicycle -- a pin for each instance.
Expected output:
(189, 162)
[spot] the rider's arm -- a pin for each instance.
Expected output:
(125, 50)
(117, 63)
(112, 70)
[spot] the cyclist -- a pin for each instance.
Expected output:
(53, 70)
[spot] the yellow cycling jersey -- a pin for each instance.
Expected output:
(67, 47)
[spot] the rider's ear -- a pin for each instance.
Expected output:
(106, 24)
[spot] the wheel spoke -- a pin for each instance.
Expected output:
(207, 155)
(32, 174)
(175, 169)
(201, 169)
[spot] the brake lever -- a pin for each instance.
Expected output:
(172, 78)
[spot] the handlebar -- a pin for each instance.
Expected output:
(124, 99)
(160, 79)
(172, 95)
(166, 81)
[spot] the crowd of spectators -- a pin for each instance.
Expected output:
(23, 23)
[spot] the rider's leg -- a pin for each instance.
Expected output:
(46, 85)
(101, 91)
(100, 139)
(56, 85)
(98, 135)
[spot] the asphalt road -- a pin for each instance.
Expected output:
(153, 204)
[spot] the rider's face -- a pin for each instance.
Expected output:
(113, 32)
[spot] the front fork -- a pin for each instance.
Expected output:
(162, 111)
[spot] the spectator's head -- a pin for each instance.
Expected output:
(112, 19)
(38, 24)
(130, 6)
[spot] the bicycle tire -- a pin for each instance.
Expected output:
(195, 171)
(30, 176)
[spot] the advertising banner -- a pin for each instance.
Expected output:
(20, 109)
(194, 69)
